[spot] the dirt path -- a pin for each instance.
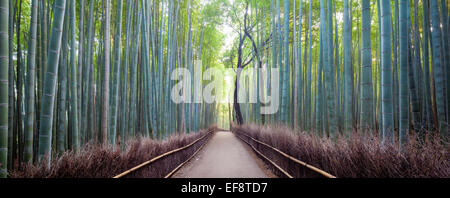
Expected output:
(224, 156)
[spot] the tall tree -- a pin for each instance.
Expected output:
(4, 59)
(366, 70)
(117, 63)
(20, 70)
(284, 90)
(426, 65)
(73, 74)
(330, 113)
(348, 119)
(31, 68)
(48, 96)
(446, 50)
(133, 78)
(10, 86)
(298, 68)
(61, 129)
(319, 90)
(81, 64)
(124, 74)
(403, 72)
(308, 93)
(438, 66)
(414, 76)
(106, 65)
(44, 44)
(87, 67)
(245, 32)
(386, 73)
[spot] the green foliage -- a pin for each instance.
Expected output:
(350, 77)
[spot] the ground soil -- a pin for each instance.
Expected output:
(225, 156)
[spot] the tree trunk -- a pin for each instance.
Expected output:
(438, 67)
(106, 60)
(117, 64)
(386, 73)
(73, 74)
(403, 73)
(348, 88)
(4, 59)
(367, 119)
(31, 68)
(48, 96)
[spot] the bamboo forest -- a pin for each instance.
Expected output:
(276, 88)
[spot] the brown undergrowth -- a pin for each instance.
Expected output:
(358, 156)
(94, 161)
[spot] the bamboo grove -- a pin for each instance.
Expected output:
(378, 66)
(94, 72)
(99, 71)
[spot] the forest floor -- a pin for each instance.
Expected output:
(225, 156)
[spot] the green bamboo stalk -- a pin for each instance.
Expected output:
(106, 65)
(322, 64)
(133, 79)
(185, 114)
(31, 68)
(446, 50)
(37, 72)
(79, 70)
(329, 75)
(85, 77)
(309, 88)
(403, 77)
(10, 85)
(153, 109)
(44, 43)
(438, 67)
(117, 63)
(366, 69)
(169, 65)
(426, 65)
(319, 90)
(95, 134)
(73, 75)
(4, 62)
(20, 71)
(124, 74)
(145, 82)
(414, 75)
(296, 66)
(395, 44)
(301, 74)
(62, 90)
(48, 95)
(386, 73)
(348, 88)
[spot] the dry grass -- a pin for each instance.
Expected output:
(359, 156)
(95, 161)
